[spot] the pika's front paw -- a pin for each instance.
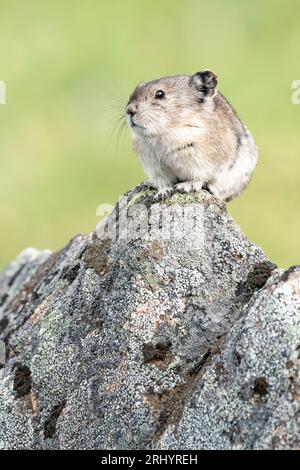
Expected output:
(188, 187)
(163, 194)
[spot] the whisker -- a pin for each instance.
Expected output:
(117, 127)
(120, 134)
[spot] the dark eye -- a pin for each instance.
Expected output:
(159, 94)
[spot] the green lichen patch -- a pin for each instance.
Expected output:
(141, 194)
(187, 198)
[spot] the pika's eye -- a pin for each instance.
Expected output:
(159, 94)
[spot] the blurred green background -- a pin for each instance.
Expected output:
(69, 67)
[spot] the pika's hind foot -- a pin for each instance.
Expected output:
(214, 191)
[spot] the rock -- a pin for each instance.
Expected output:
(165, 328)
(248, 396)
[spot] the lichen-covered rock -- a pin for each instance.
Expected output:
(248, 396)
(165, 328)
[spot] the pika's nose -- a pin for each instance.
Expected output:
(131, 109)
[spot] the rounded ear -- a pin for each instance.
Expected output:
(205, 83)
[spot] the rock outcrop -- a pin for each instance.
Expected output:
(164, 329)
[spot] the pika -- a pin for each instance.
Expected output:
(189, 137)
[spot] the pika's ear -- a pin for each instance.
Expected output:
(205, 82)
